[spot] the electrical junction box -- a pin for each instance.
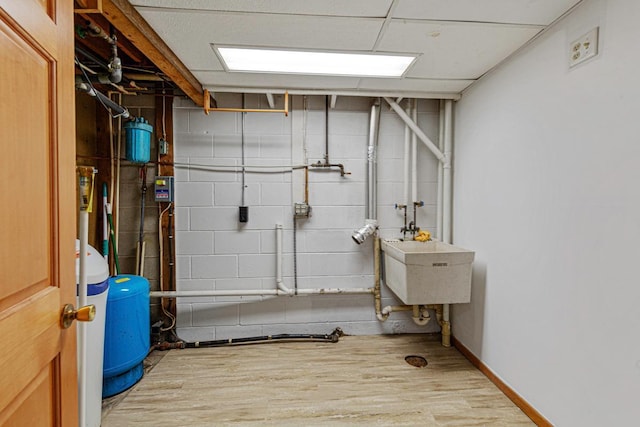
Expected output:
(301, 210)
(584, 47)
(163, 189)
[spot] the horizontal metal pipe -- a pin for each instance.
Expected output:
(96, 31)
(346, 92)
(259, 292)
(393, 308)
(334, 291)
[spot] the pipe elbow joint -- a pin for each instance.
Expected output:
(382, 317)
(446, 160)
(421, 321)
(420, 315)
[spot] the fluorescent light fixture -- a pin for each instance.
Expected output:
(305, 62)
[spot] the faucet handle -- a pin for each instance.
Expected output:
(420, 203)
(397, 206)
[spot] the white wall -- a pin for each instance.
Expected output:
(547, 192)
(215, 251)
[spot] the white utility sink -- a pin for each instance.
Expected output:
(427, 272)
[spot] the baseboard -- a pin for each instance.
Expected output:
(529, 411)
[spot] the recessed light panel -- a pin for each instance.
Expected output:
(305, 62)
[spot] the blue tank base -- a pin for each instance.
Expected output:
(119, 383)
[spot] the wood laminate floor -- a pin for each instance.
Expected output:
(361, 380)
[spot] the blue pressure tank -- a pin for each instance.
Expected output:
(138, 138)
(127, 333)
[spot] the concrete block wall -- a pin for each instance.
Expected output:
(215, 251)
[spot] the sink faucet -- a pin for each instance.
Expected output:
(413, 224)
(412, 227)
(404, 228)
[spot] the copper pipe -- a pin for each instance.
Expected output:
(340, 166)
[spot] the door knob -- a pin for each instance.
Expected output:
(82, 314)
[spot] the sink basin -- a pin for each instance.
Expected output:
(427, 272)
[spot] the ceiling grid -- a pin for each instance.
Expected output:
(456, 41)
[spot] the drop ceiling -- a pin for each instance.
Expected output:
(457, 41)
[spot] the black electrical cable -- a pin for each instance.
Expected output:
(333, 337)
(143, 196)
(326, 130)
(295, 255)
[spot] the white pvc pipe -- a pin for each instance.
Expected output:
(414, 127)
(372, 163)
(447, 204)
(414, 157)
(259, 292)
(216, 293)
(440, 173)
(444, 156)
(105, 228)
(407, 165)
(142, 254)
(116, 218)
(278, 253)
(344, 92)
(281, 290)
(448, 173)
(83, 234)
(279, 283)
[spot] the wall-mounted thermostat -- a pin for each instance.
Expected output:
(163, 189)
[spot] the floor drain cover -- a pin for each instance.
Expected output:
(417, 361)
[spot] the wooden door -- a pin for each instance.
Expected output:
(38, 378)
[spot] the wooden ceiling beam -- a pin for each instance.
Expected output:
(88, 6)
(126, 19)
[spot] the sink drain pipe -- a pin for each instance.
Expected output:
(420, 314)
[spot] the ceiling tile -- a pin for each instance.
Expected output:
(189, 34)
(454, 50)
(540, 12)
(362, 8)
